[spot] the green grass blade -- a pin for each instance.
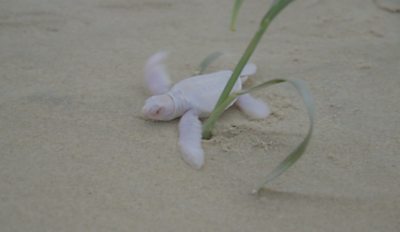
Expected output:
(276, 8)
(217, 113)
(207, 61)
(207, 127)
(260, 86)
(235, 12)
(300, 149)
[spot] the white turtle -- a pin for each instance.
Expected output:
(193, 98)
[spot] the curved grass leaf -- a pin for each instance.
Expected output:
(276, 8)
(300, 149)
(302, 89)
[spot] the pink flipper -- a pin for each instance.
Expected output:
(156, 76)
(254, 108)
(190, 139)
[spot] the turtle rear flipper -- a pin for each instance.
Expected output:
(254, 108)
(156, 76)
(248, 70)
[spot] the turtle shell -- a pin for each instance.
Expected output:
(202, 92)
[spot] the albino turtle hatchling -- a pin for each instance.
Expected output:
(193, 98)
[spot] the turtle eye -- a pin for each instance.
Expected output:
(152, 111)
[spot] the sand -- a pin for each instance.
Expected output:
(75, 155)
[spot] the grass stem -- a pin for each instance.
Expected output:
(275, 9)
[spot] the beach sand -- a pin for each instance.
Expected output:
(76, 155)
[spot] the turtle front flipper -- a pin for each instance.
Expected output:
(157, 78)
(254, 108)
(190, 139)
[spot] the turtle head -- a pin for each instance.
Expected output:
(159, 107)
